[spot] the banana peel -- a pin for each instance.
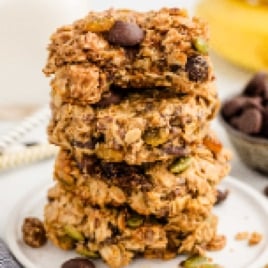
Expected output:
(239, 31)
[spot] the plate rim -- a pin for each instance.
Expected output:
(13, 220)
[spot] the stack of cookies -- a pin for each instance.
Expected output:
(132, 96)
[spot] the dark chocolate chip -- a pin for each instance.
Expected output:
(89, 144)
(109, 99)
(131, 52)
(221, 196)
(236, 105)
(125, 34)
(232, 107)
(173, 194)
(253, 102)
(197, 68)
(118, 174)
(249, 122)
(258, 85)
(265, 191)
(265, 102)
(175, 150)
(78, 263)
(265, 122)
(174, 68)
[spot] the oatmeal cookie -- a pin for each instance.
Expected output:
(161, 188)
(140, 128)
(117, 235)
(129, 49)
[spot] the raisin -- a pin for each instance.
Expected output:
(109, 98)
(34, 234)
(197, 68)
(178, 151)
(221, 196)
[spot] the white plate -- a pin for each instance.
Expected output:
(244, 210)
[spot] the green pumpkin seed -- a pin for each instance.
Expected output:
(200, 45)
(198, 262)
(66, 242)
(135, 221)
(210, 265)
(88, 253)
(73, 233)
(67, 181)
(180, 165)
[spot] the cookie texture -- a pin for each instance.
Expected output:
(148, 127)
(128, 49)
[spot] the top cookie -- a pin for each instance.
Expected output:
(127, 49)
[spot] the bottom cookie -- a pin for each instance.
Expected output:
(117, 235)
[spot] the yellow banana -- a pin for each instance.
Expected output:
(239, 30)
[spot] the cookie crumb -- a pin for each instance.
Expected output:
(241, 236)
(217, 243)
(254, 239)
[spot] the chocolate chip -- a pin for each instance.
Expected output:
(232, 107)
(265, 191)
(125, 34)
(109, 99)
(89, 144)
(252, 102)
(249, 122)
(221, 196)
(78, 263)
(258, 85)
(174, 68)
(236, 105)
(197, 68)
(131, 52)
(175, 150)
(265, 122)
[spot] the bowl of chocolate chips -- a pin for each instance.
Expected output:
(245, 119)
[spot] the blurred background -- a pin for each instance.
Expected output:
(25, 30)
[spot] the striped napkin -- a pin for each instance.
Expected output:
(6, 258)
(17, 150)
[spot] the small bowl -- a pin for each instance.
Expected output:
(253, 151)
